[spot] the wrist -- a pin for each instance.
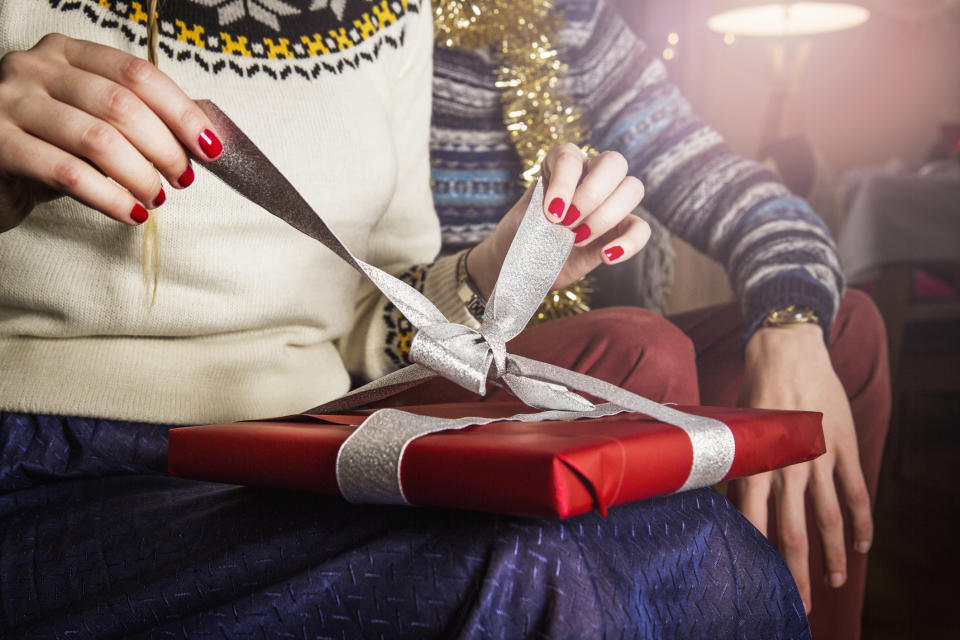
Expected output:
(482, 269)
(799, 342)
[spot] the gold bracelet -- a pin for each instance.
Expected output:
(791, 315)
(467, 289)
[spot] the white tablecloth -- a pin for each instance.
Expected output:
(900, 218)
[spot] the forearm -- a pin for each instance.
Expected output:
(775, 249)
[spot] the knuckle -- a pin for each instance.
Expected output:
(120, 103)
(829, 519)
(169, 159)
(835, 559)
(591, 195)
(793, 541)
(615, 159)
(52, 40)
(192, 118)
(859, 498)
(570, 153)
(634, 184)
(136, 71)
(641, 229)
(95, 138)
(14, 64)
(66, 175)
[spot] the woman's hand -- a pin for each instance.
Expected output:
(594, 198)
(94, 123)
(790, 368)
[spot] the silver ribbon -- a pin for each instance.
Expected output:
(369, 461)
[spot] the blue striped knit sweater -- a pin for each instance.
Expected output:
(775, 249)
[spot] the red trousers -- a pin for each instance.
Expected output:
(697, 358)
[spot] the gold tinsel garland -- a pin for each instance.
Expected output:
(521, 34)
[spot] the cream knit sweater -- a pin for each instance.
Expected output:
(252, 319)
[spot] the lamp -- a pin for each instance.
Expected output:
(789, 19)
(783, 23)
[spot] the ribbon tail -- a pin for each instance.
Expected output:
(713, 444)
(545, 395)
(246, 169)
(381, 388)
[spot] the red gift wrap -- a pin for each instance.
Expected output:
(552, 468)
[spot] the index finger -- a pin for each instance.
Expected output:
(562, 167)
(161, 94)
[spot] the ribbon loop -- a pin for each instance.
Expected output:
(530, 268)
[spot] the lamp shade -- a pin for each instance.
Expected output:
(789, 19)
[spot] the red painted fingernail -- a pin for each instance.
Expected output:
(556, 207)
(160, 199)
(613, 252)
(139, 214)
(210, 144)
(186, 178)
(572, 214)
(581, 233)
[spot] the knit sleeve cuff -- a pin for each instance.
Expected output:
(783, 290)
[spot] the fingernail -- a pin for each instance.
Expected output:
(581, 233)
(210, 144)
(862, 547)
(572, 214)
(836, 578)
(613, 252)
(138, 214)
(186, 178)
(556, 207)
(160, 199)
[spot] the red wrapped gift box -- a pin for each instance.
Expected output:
(557, 469)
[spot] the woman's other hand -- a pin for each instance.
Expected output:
(594, 198)
(94, 123)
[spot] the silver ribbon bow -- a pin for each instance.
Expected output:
(369, 461)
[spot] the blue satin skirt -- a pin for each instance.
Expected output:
(97, 541)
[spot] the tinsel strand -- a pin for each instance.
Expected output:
(522, 33)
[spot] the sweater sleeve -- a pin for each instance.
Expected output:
(775, 249)
(406, 239)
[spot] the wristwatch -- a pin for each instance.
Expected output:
(791, 315)
(467, 289)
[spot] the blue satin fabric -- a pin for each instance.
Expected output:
(96, 541)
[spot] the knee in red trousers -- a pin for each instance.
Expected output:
(630, 347)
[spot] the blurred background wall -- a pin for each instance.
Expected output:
(864, 96)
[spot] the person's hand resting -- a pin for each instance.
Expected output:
(94, 123)
(595, 198)
(790, 368)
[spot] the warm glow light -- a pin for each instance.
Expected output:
(789, 19)
(673, 38)
(668, 53)
(729, 38)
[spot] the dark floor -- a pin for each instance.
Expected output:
(912, 586)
